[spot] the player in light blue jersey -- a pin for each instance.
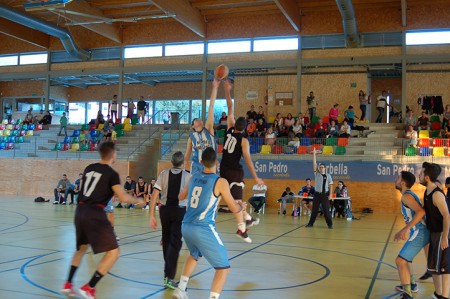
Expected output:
(199, 229)
(203, 136)
(419, 236)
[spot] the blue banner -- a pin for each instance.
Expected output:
(354, 171)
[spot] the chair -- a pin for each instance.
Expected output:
(340, 119)
(85, 127)
(220, 133)
(20, 139)
(57, 147)
(93, 133)
(309, 133)
(93, 147)
(10, 146)
(1, 133)
(16, 133)
(74, 140)
(84, 147)
(127, 121)
(289, 150)
(38, 127)
(120, 133)
(340, 150)
(266, 149)
(438, 152)
(118, 120)
(271, 119)
(315, 120)
(306, 120)
(5, 121)
(93, 127)
(424, 151)
(76, 133)
(326, 119)
(316, 147)
(254, 149)
(30, 133)
(435, 126)
(12, 139)
(220, 148)
(424, 134)
(32, 127)
(17, 127)
(410, 151)
(127, 127)
(277, 149)
(263, 208)
(435, 134)
(65, 147)
(118, 127)
(75, 147)
(282, 141)
(10, 127)
(6, 132)
(302, 150)
(2, 127)
(25, 127)
(342, 142)
(82, 137)
(331, 141)
(2, 146)
(134, 120)
(305, 141)
(66, 139)
(435, 118)
(424, 142)
(327, 150)
(438, 142)
(22, 133)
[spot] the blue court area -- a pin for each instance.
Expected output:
(285, 260)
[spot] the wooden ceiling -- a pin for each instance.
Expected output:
(104, 16)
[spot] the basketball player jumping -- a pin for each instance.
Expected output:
(236, 146)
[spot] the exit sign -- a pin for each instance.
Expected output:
(353, 84)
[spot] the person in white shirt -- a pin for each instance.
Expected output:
(411, 135)
(381, 106)
(259, 197)
(345, 130)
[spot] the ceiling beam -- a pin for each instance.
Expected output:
(404, 9)
(24, 33)
(81, 12)
(184, 13)
(290, 10)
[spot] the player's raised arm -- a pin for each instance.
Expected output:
(314, 161)
(230, 119)
(188, 153)
(209, 125)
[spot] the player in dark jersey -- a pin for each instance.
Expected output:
(99, 183)
(235, 147)
(438, 223)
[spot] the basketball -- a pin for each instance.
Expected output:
(221, 72)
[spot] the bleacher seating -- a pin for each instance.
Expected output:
(266, 149)
(327, 150)
(424, 142)
(302, 149)
(340, 150)
(424, 151)
(410, 151)
(438, 152)
(424, 134)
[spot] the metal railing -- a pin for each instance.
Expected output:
(146, 141)
(165, 148)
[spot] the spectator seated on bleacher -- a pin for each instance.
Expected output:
(250, 130)
(222, 122)
(297, 129)
(271, 136)
(345, 130)
(446, 117)
(39, 116)
(260, 114)
(333, 129)
(423, 122)
(28, 119)
(320, 129)
(294, 142)
(289, 122)
(303, 120)
(334, 113)
(349, 115)
(411, 136)
(280, 120)
(63, 187)
(251, 114)
(260, 128)
(100, 119)
(46, 119)
(107, 132)
(410, 119)
(286, 197)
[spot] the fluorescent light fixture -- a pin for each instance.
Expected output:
(427, 38)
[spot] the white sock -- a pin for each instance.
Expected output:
(183, 282)
(248, 217)
(213, 295)
(241, 226)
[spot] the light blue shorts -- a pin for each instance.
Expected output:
(109, 207)
(203, 240)
(415, 243)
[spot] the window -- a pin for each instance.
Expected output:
(77, 113)
(9, 60)
(141, 52)
(33, 58)
(275, 44)
(229, 47)
(185, 49)
(427, 38)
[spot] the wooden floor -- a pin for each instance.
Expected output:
(285, 260)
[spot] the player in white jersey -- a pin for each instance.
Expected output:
(419, 236)
(199, 229)
(203, 136)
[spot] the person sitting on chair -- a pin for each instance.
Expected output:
(259, 197)
(339, 205)
(309, 190)
(286, 197)
(63, 186)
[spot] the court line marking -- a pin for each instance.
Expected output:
(374, 277)
(20, 224)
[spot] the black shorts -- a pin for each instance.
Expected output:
(306, 200)
(235, 178)
(438, 259)
(92, 227)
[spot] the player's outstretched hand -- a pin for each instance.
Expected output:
(216, 83)
(401, 235)
(140, 203)
(444, 243)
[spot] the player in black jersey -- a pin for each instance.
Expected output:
(438, 223)
(235, 147)
(99, 183)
